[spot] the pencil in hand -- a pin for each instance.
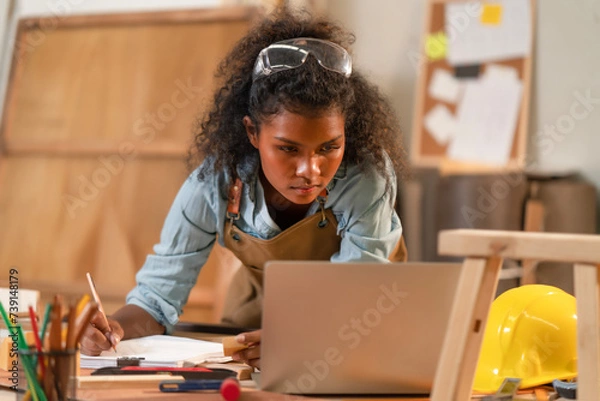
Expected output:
(108, 332)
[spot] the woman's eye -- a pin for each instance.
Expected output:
(329, 148)
(287, 149)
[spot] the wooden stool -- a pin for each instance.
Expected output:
(484, 251)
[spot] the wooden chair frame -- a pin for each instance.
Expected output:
(484, 251)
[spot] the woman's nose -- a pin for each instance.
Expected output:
(308, 167)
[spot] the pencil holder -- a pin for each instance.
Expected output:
(52, 373)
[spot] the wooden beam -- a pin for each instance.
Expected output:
(587, 291)
(458, 361)
(208, 14)
(552, 247)
(92, 148)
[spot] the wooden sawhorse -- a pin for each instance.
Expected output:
(484, 251)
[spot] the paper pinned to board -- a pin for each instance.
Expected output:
(471, 42)
(487, 118)
(441, 124)
(159, 350)
(444, 86)
(501, 71)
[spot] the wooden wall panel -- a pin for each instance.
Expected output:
(97, 87)
(95, 130)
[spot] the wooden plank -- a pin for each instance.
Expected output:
(552, 247)
(487, 292)
(94, 147)
(587, 291)
(124, 381)
(208, 14)
(454, 167)
(136, 98)
(522, 129)
(416, 148)
(458, 360)
(97, 121)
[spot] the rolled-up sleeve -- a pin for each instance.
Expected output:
(164, 282)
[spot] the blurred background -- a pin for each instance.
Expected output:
(99, 98)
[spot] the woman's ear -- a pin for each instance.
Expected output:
(251, 131)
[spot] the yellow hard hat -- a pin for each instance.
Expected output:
(531, 334)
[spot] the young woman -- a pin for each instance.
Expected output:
(299, 158)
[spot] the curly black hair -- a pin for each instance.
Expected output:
(371, 127)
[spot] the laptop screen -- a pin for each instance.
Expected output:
(354, 328)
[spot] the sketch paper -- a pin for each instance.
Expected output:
(444, 86)
(501, 71)
(159, 350)
(486, 120)
(471, 42)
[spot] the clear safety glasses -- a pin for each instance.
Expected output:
(292, 53)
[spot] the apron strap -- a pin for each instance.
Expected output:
(322, 198)
(233, 205)
(233, 196)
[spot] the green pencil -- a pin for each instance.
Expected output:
(36, 390)
(45, 321)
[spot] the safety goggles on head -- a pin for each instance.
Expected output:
(292, 53)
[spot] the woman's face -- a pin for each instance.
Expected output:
(299, 155)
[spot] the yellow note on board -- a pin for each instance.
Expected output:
(436, 45)
(491, 14)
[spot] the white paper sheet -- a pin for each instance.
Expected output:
(444, 86)
(487, 119)
(441, 124)
(501, 71)
(159, 351)
(472, 42)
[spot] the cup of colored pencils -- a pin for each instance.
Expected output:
(50, 366)
(57, 379)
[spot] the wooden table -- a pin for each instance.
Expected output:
(249, 393)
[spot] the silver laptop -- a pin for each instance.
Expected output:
(354, 328)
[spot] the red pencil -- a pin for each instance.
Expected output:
(38, 341)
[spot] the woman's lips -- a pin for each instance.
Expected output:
(305, 189)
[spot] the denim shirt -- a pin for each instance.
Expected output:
(361, 202)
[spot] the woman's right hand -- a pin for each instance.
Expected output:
(99, 337)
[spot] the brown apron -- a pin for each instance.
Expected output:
(313, 238)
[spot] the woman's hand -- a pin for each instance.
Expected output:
(250, 355)
(99, 337)
(130, 321)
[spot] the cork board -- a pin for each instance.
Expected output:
(439, 119)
